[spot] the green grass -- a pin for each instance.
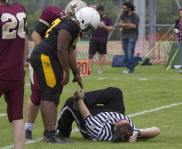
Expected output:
(148, 88)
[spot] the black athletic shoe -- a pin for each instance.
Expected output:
(59, 135)
(51, 137)
(28, 134)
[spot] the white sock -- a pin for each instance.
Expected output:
(29, 126)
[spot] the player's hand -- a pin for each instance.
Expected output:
(65, 78)
(134, 137)
(77, 78)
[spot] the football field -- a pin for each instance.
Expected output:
(152, 96)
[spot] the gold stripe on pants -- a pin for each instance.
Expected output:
(48, 71)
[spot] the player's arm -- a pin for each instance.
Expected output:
(26, 46)
(81, 105)
(72, 61)
(74, 68)
(26, 49)
(36, 37)
(64, 39)
(39, 32)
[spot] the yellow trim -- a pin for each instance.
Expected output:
(48, 71)
(54, 24)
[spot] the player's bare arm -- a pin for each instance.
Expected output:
(72, 61)
(36, 38)
(26, 49)
(64, 39)
(74, 68)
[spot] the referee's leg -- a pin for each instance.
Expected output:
(66, 119)
(108, 98)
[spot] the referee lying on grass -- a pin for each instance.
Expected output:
(98, 117)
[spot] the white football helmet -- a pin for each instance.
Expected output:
(87, 17)
(74, 6)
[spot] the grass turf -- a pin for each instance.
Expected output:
(148, 88)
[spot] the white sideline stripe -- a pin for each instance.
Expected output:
(27, 142)
(130, 115)
(155, 110)
(143, 79)
(3, 114)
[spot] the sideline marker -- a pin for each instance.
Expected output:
(84, 67)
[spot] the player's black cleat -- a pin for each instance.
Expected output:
(28, 134)
(59, 135)
(51, 137)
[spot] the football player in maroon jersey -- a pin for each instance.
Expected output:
(13, 44)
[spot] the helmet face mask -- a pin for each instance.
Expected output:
(88, 18)
(89, 28)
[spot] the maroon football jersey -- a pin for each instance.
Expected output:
(13, 29)
(50, 13)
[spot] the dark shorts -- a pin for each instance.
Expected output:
(97, 46)
(47, 76)
(13, 92)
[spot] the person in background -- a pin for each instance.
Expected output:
(99, 116)
(52, 60)
(13, 53)
(129, 22)
(99, 39)
(48, 15)
(178, 31)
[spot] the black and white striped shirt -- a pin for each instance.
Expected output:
(99, 127)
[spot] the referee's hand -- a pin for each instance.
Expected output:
(80, 94)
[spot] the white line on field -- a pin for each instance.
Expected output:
(3, 114)
(155, 110)
(130, 115)
(143, 79)
(27, 142)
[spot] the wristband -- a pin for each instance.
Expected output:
(139, 133)
(78, 98)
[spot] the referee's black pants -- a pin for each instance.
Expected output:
(105, 100)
